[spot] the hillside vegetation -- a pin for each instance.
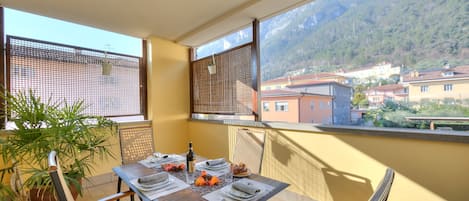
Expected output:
(330, 34)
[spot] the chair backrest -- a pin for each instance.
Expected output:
(55, 172)
(249, 148)
(384, 187)
(136, 143)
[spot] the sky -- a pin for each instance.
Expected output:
(32, 26)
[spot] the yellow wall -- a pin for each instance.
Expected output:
(435, 90)
(168, 94)
(168, 100)
(348, 167)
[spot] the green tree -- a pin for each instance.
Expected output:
(359, 97)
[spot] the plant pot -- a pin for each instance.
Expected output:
(212, 69)
(39, 194)
(107, 67)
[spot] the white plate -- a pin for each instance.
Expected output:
(155, 186)
(216, 167)
(238, 195)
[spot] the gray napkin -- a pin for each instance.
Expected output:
(246, 187)
(154, 178)
(215, 162)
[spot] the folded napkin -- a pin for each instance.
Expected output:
(154, 178)
(246, 187)
(215, 162)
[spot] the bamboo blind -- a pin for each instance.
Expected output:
(228, 91)
(64, 72)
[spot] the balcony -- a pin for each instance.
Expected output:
(327, 163)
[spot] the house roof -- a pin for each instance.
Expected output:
(316, 82)
(187, 22)
(459, 72)
(388, 87)
(312, 76)
(80, 55)
(283, 93)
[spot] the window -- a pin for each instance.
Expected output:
(228, 91)
(424, 89)
(70, 73)
(265, 106)
(312, 105)
(448, 74)
(448, 87)
(281, 106)
(366, 43)
(225, 43)
(22, 72)
(57, 63)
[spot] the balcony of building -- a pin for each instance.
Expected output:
(320, 162)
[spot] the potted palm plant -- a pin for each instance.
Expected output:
(42, 126)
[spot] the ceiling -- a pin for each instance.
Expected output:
(188, 22)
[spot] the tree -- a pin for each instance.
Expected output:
(359, 97)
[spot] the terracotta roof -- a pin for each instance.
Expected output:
(312, 76)
(279, 79)
(388, 87)
(317, 82)
(281, 92)
(87, 56)
(459, 72)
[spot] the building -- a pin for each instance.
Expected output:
(72, 74)
(341, 97)
(382, 70)
(296, 107)
(446, 83)
(378, 95)
(283, 82)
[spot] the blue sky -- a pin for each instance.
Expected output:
(28, 25)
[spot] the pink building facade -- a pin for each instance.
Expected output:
(378, 95)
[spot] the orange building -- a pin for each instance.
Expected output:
(296, 107)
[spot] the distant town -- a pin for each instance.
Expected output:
(380, 95)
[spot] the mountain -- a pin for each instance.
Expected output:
(330, 34)
(327, 35)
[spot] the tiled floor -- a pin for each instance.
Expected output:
(100, 191)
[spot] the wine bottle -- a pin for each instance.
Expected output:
(190, 159)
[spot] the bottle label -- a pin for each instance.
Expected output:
(191, 167)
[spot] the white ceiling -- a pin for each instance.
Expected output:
(188, 22)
